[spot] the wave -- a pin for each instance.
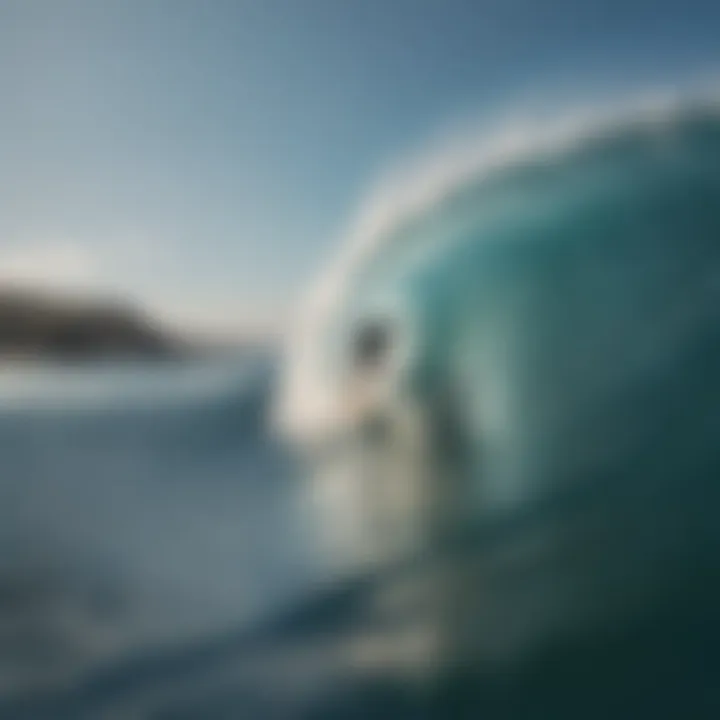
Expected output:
(414, 200)
(530, 317)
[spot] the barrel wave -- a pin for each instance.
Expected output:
(521, 361)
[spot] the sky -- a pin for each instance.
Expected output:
(203, 157)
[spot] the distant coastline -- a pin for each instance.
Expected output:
(53, 327)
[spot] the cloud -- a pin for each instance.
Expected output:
(56, 266)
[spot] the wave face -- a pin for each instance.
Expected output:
(541, 323)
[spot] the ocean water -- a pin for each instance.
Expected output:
(140, 507)
(480, 481)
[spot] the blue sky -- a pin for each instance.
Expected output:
(204, 155)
